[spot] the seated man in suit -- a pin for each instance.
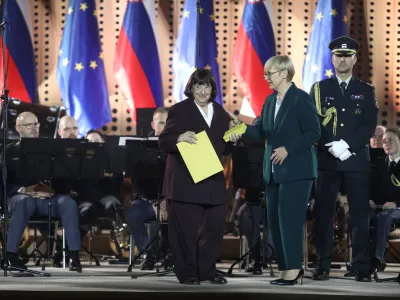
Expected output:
(389, 184)
(142, 210)
(24, 200)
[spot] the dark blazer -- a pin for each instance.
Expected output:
(178, 184)
(296, 128)
(387, 191)
(357, 116)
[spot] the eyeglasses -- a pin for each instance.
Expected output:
(269, 74)
(30, 125)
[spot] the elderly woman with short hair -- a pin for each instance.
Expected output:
(289, 123)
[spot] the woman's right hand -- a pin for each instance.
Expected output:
(188, 137)
(234, 137)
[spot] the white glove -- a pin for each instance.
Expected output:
(337, 147)
(345, 155)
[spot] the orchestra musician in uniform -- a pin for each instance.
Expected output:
(142, 211)
(24, 200)
(388, 197)
(195, 210)
(348, 111)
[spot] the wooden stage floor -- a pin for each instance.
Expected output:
(110, 282)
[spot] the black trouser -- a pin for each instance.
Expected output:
(139, 213)
(195, 233)
(250, 217)
(328, 184)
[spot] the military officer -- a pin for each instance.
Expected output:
(348, 111)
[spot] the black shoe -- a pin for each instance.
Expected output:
(168, 264)
(147, 265)
(257, 269)
(363, 277)
(376, 265)
(190, 281)
(218, 280)
(350, 274)
(297, 280)
(276, 281)
(58, 260)
(320, 275)
(75, 262)
(15, 261)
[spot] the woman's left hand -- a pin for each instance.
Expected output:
(279, 155)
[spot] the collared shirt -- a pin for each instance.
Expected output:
(396, 160)
(207, 117)
(347, 81)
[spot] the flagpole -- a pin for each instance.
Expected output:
(198, 34)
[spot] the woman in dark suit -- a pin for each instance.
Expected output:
(196, 211)
(290, 125)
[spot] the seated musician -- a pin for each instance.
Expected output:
(142, 211)
(26, 199)
(389, 183)
(92, 196)
(250, 217)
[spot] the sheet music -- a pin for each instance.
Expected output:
(122, 140)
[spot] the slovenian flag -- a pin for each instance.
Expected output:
(19, 60)
(136, 61)
(255, 44)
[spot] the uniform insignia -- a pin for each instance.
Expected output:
(328, 99)
(357, 97)
(324, 109)
(357, 111)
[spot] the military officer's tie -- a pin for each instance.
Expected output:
(343, 87)
(392, 166)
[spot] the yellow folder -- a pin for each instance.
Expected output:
(201, 159)
(239, 129)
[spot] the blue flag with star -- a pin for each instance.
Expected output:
(80, 70)
(186, 49)
(330, 22)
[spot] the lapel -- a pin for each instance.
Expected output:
(286, 104)
(272, 105)
(351, 87)
(198, 117)
(215, 115)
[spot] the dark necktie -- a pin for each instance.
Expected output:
(343, 87)
(392, 166)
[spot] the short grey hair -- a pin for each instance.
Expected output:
(281, 63)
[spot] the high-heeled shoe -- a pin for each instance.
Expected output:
(277, 281)
(297, 280)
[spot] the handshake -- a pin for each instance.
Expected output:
(339, 149)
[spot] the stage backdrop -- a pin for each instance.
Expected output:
(375, 24)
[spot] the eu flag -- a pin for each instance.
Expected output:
(80, 70)
(186, 48)
(330, 22)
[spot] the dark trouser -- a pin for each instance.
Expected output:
(89, 211)
(195, 232)
(328, 184)
(250, 217)
(139, 213)
(383, 223)
(286, 211)
(22, 207)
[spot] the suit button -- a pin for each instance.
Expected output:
(343, 109)
(342, 124)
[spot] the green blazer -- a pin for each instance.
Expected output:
(296, 127)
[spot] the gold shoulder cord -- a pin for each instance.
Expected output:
(395, 181)
(329, 113)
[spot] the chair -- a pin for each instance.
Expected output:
(394, 236)
(34, 222)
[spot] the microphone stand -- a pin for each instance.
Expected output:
(4, 263)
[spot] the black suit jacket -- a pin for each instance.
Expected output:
(178, 183)
(386, 190)
(357, 115)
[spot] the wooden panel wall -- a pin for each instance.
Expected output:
(375, 24)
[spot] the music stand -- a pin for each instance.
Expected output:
(145, 158)
(247, 167)
(51, 159)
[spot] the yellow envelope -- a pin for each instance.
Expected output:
(201, 159)
(239, 129)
